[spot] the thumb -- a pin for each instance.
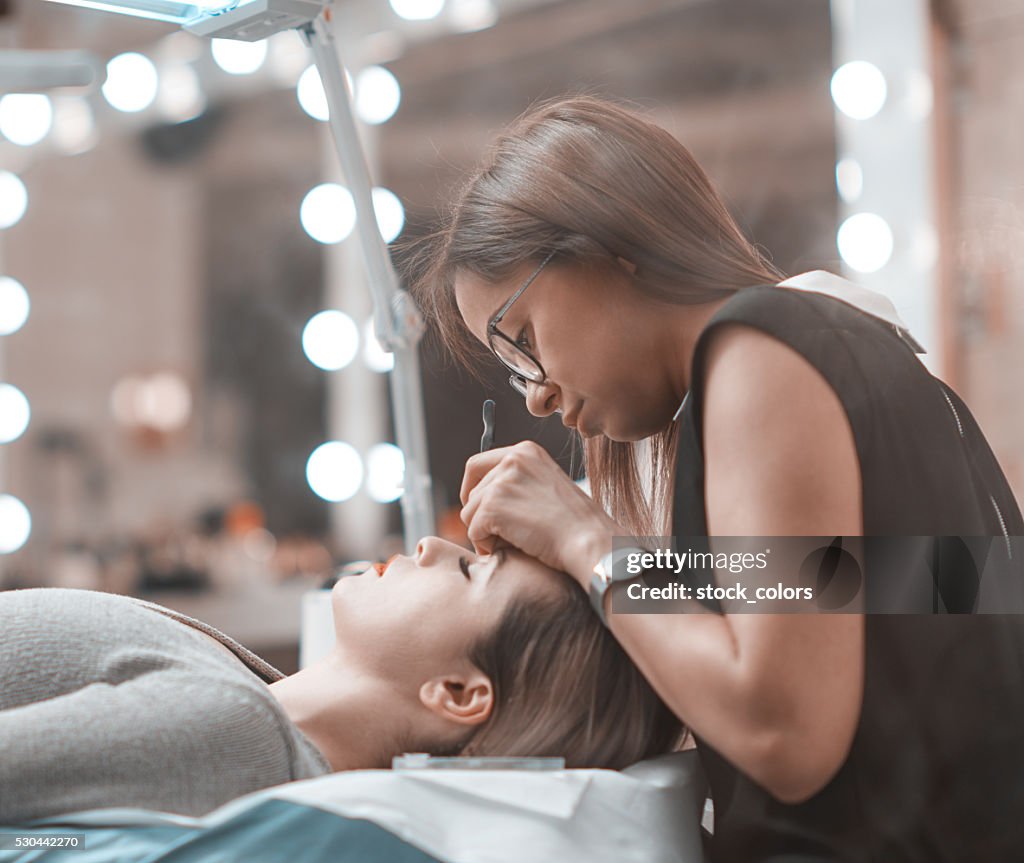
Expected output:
(487, 545)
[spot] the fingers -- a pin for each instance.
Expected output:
(477, 467)
(480, 514)
(480, 530)
(490, 544)
(481, 464)
(487, 545)
(494, 487)
(470, 513)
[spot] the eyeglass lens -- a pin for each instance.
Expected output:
(516, 359)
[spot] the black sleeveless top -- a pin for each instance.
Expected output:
(936, 769)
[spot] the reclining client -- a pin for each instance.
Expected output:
(111, 701)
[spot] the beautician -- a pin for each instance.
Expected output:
(590, 253)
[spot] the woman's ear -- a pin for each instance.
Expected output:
(465, 700)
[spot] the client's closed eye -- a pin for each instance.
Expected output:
(464, 566)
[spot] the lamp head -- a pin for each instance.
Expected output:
(245, 20)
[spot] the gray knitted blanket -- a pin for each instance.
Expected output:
(109, 701)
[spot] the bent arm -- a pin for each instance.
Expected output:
(777, 695)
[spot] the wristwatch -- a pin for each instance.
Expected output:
(604, 576)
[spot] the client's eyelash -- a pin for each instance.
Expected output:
(522, 339)
(464, 566)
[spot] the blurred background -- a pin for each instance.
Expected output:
(192, 404)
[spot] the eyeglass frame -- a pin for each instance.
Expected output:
(517, 380)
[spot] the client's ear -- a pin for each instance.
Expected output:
(466, 700)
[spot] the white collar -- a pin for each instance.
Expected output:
(870, 302)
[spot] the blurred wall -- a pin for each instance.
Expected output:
(743, 85)
(107, 252)
(986, 59)
(194, 261)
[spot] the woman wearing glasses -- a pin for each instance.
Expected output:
(594, 259)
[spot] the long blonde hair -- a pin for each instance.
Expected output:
(592, 181)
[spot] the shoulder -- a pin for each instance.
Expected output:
(87, 618)
(779, 449)
(796, 316)
(747, 373)
(204, 714)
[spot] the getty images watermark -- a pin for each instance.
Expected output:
(816, 574)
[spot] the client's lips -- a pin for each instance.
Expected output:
(381, 567)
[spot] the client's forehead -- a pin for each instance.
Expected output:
(515, 566)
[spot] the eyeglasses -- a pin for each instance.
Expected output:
(513, 355)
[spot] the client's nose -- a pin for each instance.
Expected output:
(431, 550)
(428, 550)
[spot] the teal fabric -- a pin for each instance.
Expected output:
(272, 831)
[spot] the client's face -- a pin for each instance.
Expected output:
(421, 615)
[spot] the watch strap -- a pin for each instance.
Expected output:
(603, 577)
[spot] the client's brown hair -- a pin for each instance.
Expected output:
(564, 686)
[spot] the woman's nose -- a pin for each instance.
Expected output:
(542, 399)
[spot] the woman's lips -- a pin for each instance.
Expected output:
(583, 429)
(572, 420)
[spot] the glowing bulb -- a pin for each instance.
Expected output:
(288, 57)
(131, 84)
(389, 212)
(920, 96)
(328, 213)
(334, 471)
(469, 16)
(374, 355)
(238, 58)
(161, 401)
(25, 118)
(74, 130)
(378, 95)
(14, 413)
(859, 89)
(924, 247)
(180, 97)
(849, 179)
(385, 472)
(865, 242)
(311, 95)
(180, 47)
(13, 199)
(417, 10)
(164, 402)
(330, 340)
(259, 544)
(14, 305)
(15, 524)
